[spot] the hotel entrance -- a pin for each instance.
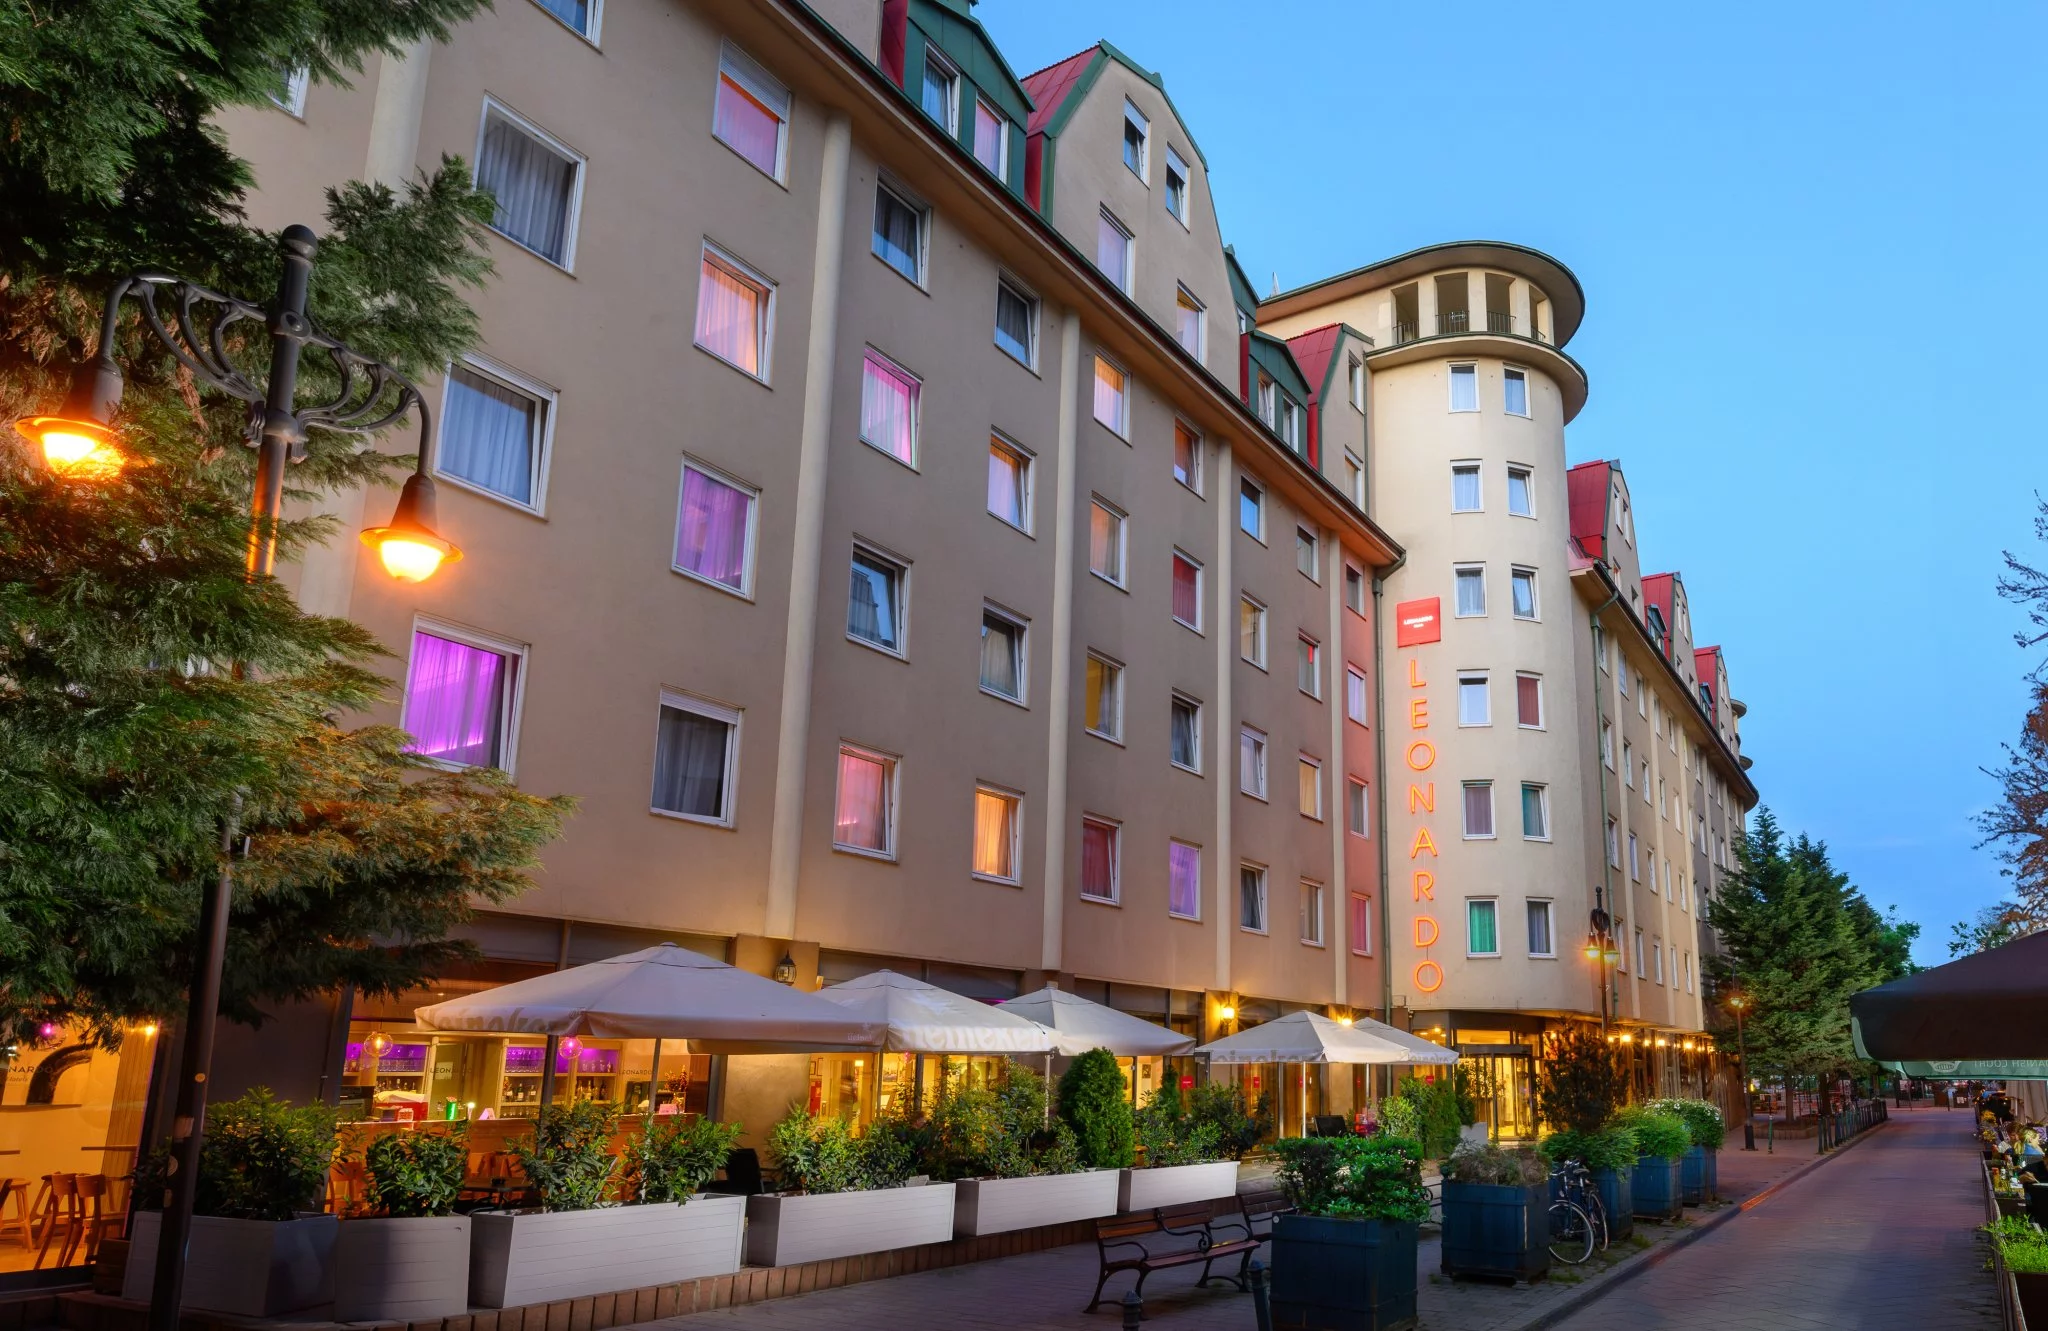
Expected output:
(1502, 1081)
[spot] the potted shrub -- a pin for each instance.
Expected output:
(1578, 1085)
(1610, 1156)
(578, 1242)
(1661, 1144)
(1496, 1213)
(1345, 1261)
(1191, 1146)
(1012, 1170)
(409, 1261)
(258, 1245)
(846, 1194)
(1700, 1177)
(1092, 1102)
(2022, 1251)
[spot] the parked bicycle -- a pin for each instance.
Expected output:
(1578, 1220)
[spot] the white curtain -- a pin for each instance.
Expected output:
(999, 658)
(689, 764)
(487, 435)
(1184, 736)
(888, 408)
(728, 317)
(863, 814)
(532, 183)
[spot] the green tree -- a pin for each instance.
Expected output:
(1092, 1102)
(1581, 1082)
(125, 738)
(1993, 926)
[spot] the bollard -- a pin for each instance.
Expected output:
(1748, 1134)
(1134, 1310)
(1262, 1296)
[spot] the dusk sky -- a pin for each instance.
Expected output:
(1801, 229)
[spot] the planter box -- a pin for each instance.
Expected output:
(520, 1257)
(1343, 1275)
(401, 1270)
(254, 1268)
(1617, 1198)
(1701, 1178)
(1143, 1189)
(813, 1227)
(998, 1205)
(1659, 1194)
(1496, 1230)
(2031, 1293)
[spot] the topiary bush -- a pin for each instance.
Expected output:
(1702, 1119)
(1612, 1147)
(674, 1158)
(1436, 1104)
(1657, 1136)
(1360, 1178)
(417, 1173)
(568, 1159)
(1580, 1083)
(263, 1159)
(1400, 1117)
(1170, 1134)
(1239, 1125)
(1092, 1104)
(1484, 1162)
(999, 1133)
(816, 1153)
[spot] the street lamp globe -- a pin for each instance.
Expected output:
(74, 449)
(412, 551)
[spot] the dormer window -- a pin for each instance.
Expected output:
(942, 91)
(1266, 405)
(1137, 139)
(1176, 187)
(991, 138)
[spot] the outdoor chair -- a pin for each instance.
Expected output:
(22, 1223)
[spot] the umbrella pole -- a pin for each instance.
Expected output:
(1048, 1088)
(547, 1070)
(653, 1088)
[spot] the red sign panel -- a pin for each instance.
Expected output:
(1187, 1083)
(1418, 622)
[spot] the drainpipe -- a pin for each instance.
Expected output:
(1600, 774)
(1379, 703)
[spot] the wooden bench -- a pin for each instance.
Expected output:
(1262, 1207)
(1148, 1241)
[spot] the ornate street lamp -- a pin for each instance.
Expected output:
(1738, 1002)
(81, 443)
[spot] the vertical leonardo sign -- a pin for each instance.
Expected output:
(1418, 624)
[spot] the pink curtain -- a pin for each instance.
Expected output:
(863, 820)
(454, 701)
(1184, 879)
(1361, 925)
(711, 532)
(1098, 861)
(1109, 395)
(1104, 549)
(888, 406)
(988, 138)
(751, 129)
(1529, 700)
(1005, 485)
(1186, 594)
(728, 317)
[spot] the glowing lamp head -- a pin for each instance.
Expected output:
(1227, 1012)
(410, 548)
(74, 449)
(571, 1045)
(1344, 1020)
(149, 1031)
(377, 1043)
(48, 1031)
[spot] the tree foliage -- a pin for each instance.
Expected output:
(1579, 1085)
(1092, 1102)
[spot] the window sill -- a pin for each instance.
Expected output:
(732, 364)
(1482, 956)
(878, 648)
(525, 248)
(1543, 956)
(1313, 817)
(862, 852)
(751, 163)
(1310, 942)
(919, 285)
(1109, 581)
(1189, 627)
(1107, 739)
(714, 584)
(988, 692)
(1252, 795)
(999, 882)
(485, 492)
(1100, 901)
(1185, 919)
(1183, 767)
(1019, 528)
(1468, 836)
(721, 824)
(1247, 929)
(909, 465)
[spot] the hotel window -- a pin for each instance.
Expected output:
(1465, 487)
(1628, 764)
(1607, 744)
(536, 182)
(1101, 856)
(1354, 589)
(751, 116)
(1621, 680)
(1522, 583)
(1251, 631)
(1106, 541)
(1187, 457)
(1009, 483)
(991, 138)
(1309, 779)
(289, 93)
(1541, 943)
(1356, 378)
(715, 529)
(1464, 388)
(888, 407)
(942, 91)
(996, 829)
(1251, 762)
(1103, 709)
(1478, 810)
(1657, 962)
(1688, 972)
(1635, 859)
(1535, 812)
(1354, 694)
(899, 233)
(1361, 925)
(1308, 665)
(1137, 131)
(1475, 701)
(1613, 845)
(1289, 428)
(495, 429)
(1482, 928)
(1307, 549)
(1311, 913)
(1644, 784)
(696, 748)
(1002, 655)
(1185, 734)
(1176, 186)
(1113, 250)
(735, 313)
(461, 699)
(1354, 477)
(874, 607)
(1529, 701)
(1112, 400)
(1187, 321)
(1267, 400)
(1357, 807)
(1187, 591)
(1183, 880)
(1251, 897)
(1521, 494)
(865, 817)
(1017, 324)
(1471, 583)
(1251, 509)
(1514, 385)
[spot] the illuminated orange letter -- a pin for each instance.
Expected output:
(1425, 885)
(1418, 714)
(1422, 843)
(1422, 796)
(1429, 938)
(1435, 980)
(1427, 758)
(1415, 680)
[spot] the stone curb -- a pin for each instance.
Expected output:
(1551, 1316)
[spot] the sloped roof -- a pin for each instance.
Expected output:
(1049, 87)
(1586, 485)
(1312, 351)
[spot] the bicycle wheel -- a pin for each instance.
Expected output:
(1596, 1215)
(1571, 1233)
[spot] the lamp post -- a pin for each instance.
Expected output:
(1736, 1003)
(80, 443)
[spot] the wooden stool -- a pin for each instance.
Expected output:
(96, 1220)
(64, 1212)
(16, 1191)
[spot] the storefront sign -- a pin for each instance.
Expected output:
(1418, 622)
(1427, 977)
(1187, 1083)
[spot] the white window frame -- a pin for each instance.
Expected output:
(1314, 664)
(1356, 467)
(1001, 169)
(1484, 681)
(1314, 541)
(745, 591)
(916, 407)
(1201, 591)
(515, 701)
(1458, 571)
(721, 257)
(1354, 577)
(742, 71)
(711, 711)
(1494, 903)
(951, 77)
(1194, 704)
(1635, 858)
(1359, 899)
(1253, 780)
(1528, 475)
(1452, 375)
(1176, 167)
(1171, 913)
(1130, 278)
(1492, 812)
(1358, 811)
(1026, 467)
(922, 212)
(1193, 482)
(892, 765)
(1031, 312)
(293, 103)
(1507, 373)
(1260, 615)
(1136, 119)
(1123, 542)
(881, 554)
(1549, 927)
(1535, 615)
(1200, 350)
(993, 610)
(1355, 382)
(1122, 428)
(1357, 701)
(573, 224)
(1319, 918)
(1628, 764)
(1541, 719)
(1115, 828)
(1264, 876)
(1306, 763)
(1542, 803)
(1249, 488)
(1116, 709)
(543, 444)
(1015, 799)
(1467, 467)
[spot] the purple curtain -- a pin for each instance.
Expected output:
(729, 317)
(454, 701)
(1184, 875)
(711, 532)
(743, 122)
(1098, 861)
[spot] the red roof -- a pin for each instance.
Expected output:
(1050, 86)
(1312, 351)
(1657, 591)
(1586, 485)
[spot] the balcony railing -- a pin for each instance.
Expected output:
(1404, 332)
(1497, 322)
(1456, 322)
(1453, 321)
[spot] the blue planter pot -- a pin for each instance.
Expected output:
(1659, 1192)
(1343, 1275)
(1496, 1230)
(1617, 1197)
(1701, 1176)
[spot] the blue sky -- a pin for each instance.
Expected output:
(1800, 228)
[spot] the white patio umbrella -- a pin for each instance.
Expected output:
(1310, 1037)
(919, 1018)
(1079, 1025)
